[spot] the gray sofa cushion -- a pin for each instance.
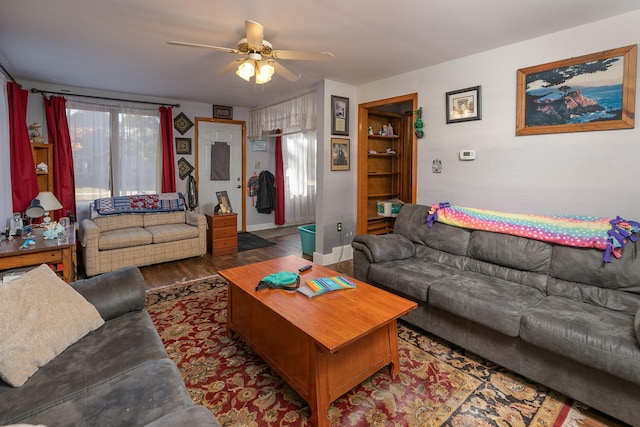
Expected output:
(510, 251)
(411, 277)
(411, 223)
(492, 302)
(592, 335)
(155, 386)
(101, 354)
(636, 325)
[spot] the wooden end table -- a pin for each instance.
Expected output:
(322, 346)
(43, 252)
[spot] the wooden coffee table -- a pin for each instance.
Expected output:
(322, 346)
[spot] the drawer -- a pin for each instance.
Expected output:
(224, 232)
(225, 246)
(225, 221)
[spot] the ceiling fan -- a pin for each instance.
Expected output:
(258, 58)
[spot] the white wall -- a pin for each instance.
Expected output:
(584, 173)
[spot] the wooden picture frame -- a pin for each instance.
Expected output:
(339, 115)
(464, 105)
(340, 154)
(585, 93)
(183, 145)
(223, 201)
(222, 112)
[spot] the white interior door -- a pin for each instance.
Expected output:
(216, 132)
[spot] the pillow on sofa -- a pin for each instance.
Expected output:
(40, 316)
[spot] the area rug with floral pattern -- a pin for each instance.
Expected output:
(439, 384)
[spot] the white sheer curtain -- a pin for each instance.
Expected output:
(297, 120)
(299, 155)
(6, 204)
(116, 151)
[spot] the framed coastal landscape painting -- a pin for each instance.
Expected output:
(585, 93)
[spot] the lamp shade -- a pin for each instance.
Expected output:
(48, 201)
(35, 209)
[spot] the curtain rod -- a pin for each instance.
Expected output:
(4, 70)
(34, 90)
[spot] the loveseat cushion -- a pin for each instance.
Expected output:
(118, 222)
(410, 277)
(114, 349)
(125, 238)
(495, 303)
(172, 232)
(152, 219)
(589, 334)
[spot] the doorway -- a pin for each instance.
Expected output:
(387, 161)
(226, 137)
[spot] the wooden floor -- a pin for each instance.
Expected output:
(161, 275)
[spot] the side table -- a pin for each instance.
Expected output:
(43, 252)
(222, 233)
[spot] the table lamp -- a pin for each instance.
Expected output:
(49, 203)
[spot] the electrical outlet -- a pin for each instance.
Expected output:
(339, 227)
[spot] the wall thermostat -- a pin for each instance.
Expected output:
(467, 154)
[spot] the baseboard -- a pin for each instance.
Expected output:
(334, 257)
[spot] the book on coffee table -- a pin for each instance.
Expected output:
(322, 285)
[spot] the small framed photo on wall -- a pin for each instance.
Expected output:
(340, 154)
(339, 115)
(463, 105)
(183, 145)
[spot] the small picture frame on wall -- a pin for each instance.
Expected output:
(183, 145)
(339, 115)
(340, 154)
(463, 105)
(222, 112)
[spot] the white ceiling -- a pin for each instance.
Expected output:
(120, 45)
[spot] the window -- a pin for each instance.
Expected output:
(116, 151)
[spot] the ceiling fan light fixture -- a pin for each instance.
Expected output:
(264, 71)
(246, 70)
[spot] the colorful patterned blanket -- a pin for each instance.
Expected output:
(609, 235)
(141, 203)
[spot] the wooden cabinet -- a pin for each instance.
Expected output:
(43, 153)
(222, 233)
(383, 154)
(387, 167)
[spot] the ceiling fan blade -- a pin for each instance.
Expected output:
(230, 66)
(280, 69)
(305, 56)
(206, 46)
(255, 35)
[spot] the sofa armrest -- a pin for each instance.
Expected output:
(90, 236)
(196, 219)
(114, 293)
(385, 247)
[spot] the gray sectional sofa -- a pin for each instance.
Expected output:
(117, 375)
(557, 315)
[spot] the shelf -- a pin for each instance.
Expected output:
(382, 195)
(382, 173)
(383, 154)
(391, 137)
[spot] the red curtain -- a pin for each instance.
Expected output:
(168, 164)
(24, 182)
(64, 183)
(279, 215)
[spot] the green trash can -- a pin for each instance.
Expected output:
(308, 238)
